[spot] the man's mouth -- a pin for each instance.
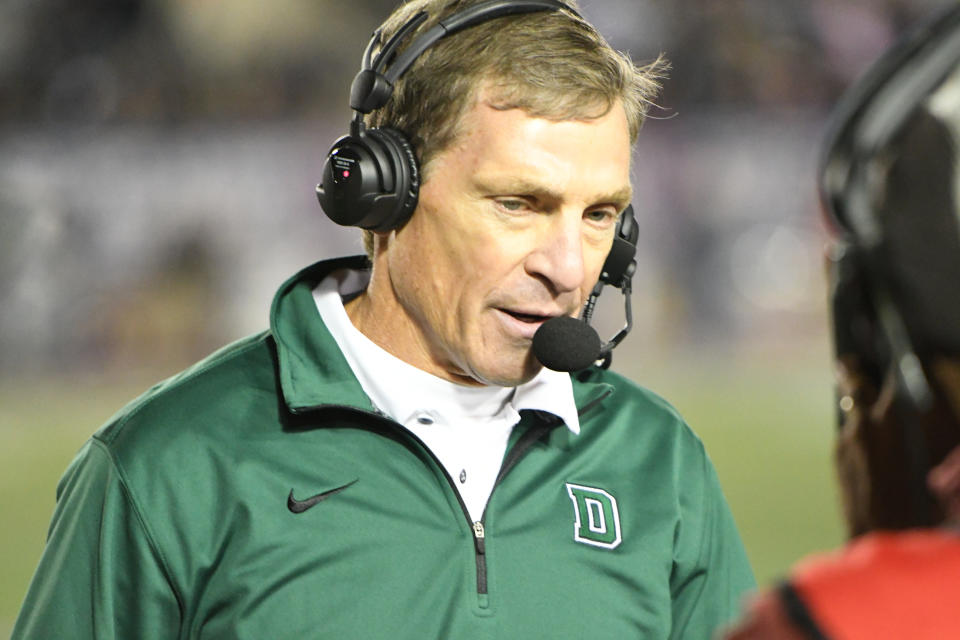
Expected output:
(530, 318)
(523, 323)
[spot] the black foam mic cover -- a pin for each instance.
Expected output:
(566, 344)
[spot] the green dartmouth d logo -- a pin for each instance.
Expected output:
(597, 518)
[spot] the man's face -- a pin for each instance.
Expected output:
(514, 222)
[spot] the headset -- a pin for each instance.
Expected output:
(370, 176)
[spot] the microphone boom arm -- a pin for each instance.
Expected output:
(606, 352)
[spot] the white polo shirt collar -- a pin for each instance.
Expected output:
(403, 391)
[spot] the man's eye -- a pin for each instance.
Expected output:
(512, 205)
(600, 215)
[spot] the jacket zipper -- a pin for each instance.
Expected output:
(546, 422)
(479, 542)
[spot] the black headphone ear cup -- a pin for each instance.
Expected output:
(370, 181)
(351, 181)
(371, 178)
(406, 176)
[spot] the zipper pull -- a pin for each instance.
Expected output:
(478, 536)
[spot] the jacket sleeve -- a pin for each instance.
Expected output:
(711, 573)
(100, 576)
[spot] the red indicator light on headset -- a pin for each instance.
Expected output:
(346, 174)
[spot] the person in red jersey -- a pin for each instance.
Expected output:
(889, 184)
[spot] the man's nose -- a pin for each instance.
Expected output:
(558, 258)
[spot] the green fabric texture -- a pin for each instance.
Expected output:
(173, 522)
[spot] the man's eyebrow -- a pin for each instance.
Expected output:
(514, 186)
(621, 197)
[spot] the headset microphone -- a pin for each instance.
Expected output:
(569, 344)
(566, 344)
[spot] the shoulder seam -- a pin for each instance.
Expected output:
(706, 528)
(190, 373)
(141, 520)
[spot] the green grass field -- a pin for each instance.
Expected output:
(767, 427)
(42, 425)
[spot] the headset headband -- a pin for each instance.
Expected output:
(373, 86)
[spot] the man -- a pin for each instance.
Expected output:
(890, 187)
(390, 459)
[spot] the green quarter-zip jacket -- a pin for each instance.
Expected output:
(260, 495)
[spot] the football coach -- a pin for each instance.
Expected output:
(427, 442)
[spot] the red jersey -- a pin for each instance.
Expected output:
(885, 585)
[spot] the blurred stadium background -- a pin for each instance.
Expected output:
(156, 185)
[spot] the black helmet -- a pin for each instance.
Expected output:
(889, 185)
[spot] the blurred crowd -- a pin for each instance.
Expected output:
(170, 147)
(172, 61)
